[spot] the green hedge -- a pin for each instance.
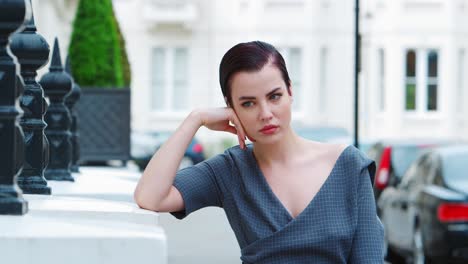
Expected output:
(97, 48)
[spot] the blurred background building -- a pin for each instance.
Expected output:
(413, 64)
(414, 70)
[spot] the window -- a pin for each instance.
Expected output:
(410, 80)
(421, 80)
(169, 79)
(381, 79)
(293, 59)
(323, 80)
(432, 62)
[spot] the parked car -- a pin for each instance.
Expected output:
(393, 158)
(426, 215)
(146, 143)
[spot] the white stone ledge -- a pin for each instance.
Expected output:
(116, 184)
(72, 226)
(50, 240)
(86, 208)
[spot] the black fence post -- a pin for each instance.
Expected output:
(57, 84)
(70, 102)
(12, 15)
(32, 52)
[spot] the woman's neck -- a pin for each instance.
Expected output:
(278, 152)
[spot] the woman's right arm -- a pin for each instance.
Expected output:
(154, 190)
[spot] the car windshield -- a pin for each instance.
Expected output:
(402, 157)
(454, 169)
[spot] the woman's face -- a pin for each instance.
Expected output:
(262, 102)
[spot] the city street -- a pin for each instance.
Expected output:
(203, 237)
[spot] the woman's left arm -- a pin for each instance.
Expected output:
(368, 241)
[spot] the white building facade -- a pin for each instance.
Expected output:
(414, 81)
(176, 48)
(413, 59)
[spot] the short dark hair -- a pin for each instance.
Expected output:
(249, 57)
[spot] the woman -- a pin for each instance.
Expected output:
(288, 199)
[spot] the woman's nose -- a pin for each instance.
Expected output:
(265, 112)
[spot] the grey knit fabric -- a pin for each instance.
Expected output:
(340, 224)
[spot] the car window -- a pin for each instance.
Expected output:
(402, 157)
(438, 179)
(434, 170)
(409, 176)
(428, 170)
(416, 173)
(454, 168)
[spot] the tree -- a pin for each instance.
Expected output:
(97, 48)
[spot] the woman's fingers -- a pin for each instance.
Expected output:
(240, 131)
(231, 129)
(251, 139)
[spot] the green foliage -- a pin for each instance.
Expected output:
(97, 50)
(127, 72)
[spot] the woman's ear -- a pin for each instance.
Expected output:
(289, 90)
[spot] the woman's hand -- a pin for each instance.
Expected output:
(220, 119)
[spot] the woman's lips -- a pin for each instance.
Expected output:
(268, 130)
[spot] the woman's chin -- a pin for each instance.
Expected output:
(267, 139)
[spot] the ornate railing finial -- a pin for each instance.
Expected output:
(57, 84)
(32, 52)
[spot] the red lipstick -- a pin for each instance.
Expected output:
(269, 129)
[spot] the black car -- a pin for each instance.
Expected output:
(393, 158)
(146, 143)
(426, 215)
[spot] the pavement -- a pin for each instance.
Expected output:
(202, 237)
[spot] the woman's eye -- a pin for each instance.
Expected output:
(275, 96)
(247, 104)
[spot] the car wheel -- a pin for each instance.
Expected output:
(185, 162)
(418, 248)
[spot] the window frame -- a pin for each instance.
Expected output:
(381, 70)
(169, 80)
(297, 84)
(421, 81)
